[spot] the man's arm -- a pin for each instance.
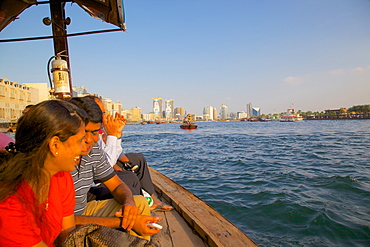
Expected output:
(123, 195)
(112, 148)
(68, 225)
(113, 127)
(112, 222)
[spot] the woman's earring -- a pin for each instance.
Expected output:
(56, 153)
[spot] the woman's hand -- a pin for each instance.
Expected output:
(141, 224)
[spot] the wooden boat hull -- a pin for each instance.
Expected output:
(212, 228)
(187, 126)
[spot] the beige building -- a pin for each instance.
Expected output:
(43, 89)
(179, 113)
(134, 115)
(148, 116)
(14, 97)
(112, 107)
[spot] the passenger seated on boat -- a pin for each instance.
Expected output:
(94, 166)
(124, 164)
(36, 188)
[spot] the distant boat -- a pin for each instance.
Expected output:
(291, 116)
(188, 123)
(265, 120)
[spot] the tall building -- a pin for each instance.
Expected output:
(223, 112)
(157, 107)
(215, 116)
(169, 109)
(249, 111)
(208, 113)
(256, 111)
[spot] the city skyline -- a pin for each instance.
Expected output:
(314, 54)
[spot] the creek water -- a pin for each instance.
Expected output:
(304, 183)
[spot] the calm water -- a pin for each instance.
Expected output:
(284, 184)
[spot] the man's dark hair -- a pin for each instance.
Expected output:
(90, 107)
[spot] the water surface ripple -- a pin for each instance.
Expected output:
(284, 184)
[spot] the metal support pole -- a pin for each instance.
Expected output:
(59, 28)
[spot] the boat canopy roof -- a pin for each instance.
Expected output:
(110, 11)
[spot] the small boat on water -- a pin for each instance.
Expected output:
(188, 126)
(188, 123)
(291, 116)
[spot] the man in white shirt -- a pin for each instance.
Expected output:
(110, 141)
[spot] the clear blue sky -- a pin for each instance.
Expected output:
(313, 53)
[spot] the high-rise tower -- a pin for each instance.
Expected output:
(223, 112)
(249, 110)
(157, 107)
(208, 113)
(169, 109)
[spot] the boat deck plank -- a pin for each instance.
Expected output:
(176, 232)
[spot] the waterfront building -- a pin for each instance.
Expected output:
(223, 112)
(240, 115)
(256, 111)
(249, 110)
(199, 118)
(232, 115)
(14, 97)
(42, 88)
(208, 113)
(215, 116)
(112, 107)
(125, 113)
(180, 111)
(135, 115)
(169, 109)
(178, 117)
(157, 108)
(148, 116)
